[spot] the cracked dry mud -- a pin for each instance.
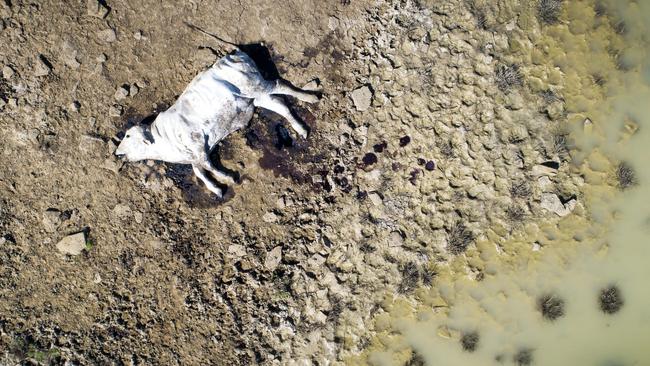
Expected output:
(429, 133)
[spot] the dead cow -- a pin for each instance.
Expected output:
(216, 103)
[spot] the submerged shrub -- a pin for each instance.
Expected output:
(611, 300)
(469, 341)
(524, 357)
(625, 175)
(551, 306)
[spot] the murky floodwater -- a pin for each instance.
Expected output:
(602, 50)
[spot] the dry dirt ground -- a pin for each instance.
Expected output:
(427, 133)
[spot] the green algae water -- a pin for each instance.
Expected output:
(593, 268)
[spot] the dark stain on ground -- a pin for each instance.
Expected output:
(330, 46)
(283, 152)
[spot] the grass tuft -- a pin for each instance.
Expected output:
(459, 238)
(410, 277)
(508, 77)
(520, 189)
(549, 11)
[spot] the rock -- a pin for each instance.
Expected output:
(42, 67)
(544, 183)
(7, 72)
(237, 250)
(51, 220)
(270, 217)
(115, 111)
(273, 258)
(96, 9)
(74, 106)
(69, 55)
(543, 170)
(134, 90)
(122, 212)
(121, 93)
(72, 244)
(552, 202)
(107, 35)
(361, 98)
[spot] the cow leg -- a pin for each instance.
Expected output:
(208, 183)
(276, 105)
(219, 175)
(285, 88)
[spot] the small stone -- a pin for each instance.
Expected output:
(270, 217)
(237, 250)
(543, 170)
(134, 90)
(107, 35)
(96, 9)
(51, 220)
(74, 106)
(430, 165)
(138, 217)
(551, 202)
(72, 244)
(375, 198)
(101, 58)
(42, 67)
(122, 212)
(121, 93)
(7, 72)
(115, 111)
(273, 258)
(139, 36)
(362, 98)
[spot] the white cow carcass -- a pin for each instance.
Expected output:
(219, 101)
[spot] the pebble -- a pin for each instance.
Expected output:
(7, 72)
(42, 67)
(72, 244)
(270, 217)
(551, 202)
(96, 9)
(273, 258)
(121, 93)
(107, 35)
(361, 98)
(115, 111)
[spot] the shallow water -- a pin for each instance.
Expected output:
(581, 256)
